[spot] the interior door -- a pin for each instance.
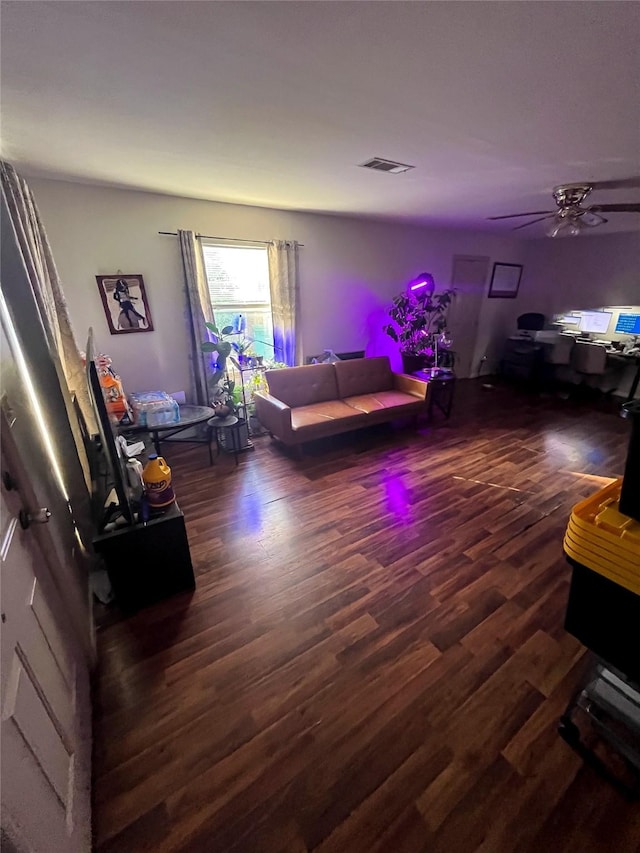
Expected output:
(46, 627)
(45, 726)
(468, 277)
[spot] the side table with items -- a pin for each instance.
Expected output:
(190, 416)
(440, 392)
(230, 435)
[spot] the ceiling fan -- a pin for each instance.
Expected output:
(571, 218)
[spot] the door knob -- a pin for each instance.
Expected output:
(40, 516)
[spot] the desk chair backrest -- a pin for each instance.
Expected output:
(531, 322)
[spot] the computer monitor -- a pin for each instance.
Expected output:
(595, 321)
(569, 319)
(628, 324)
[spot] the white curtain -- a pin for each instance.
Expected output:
(47, 290)
(198, 311)
(283, 282)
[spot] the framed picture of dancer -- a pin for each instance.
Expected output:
(124, 300)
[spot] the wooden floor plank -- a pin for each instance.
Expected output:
(374, 658)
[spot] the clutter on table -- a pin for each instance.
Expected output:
(153, 408)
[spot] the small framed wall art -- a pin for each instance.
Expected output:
(124, 300)
(505, 281)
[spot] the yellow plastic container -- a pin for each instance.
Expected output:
(604, 540)
(157, 482)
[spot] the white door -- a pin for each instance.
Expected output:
(468, 277)
(45, 705)
(46, 629)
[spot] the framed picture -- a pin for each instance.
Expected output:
(125, 303)
(505, 280)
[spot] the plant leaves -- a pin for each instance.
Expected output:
(207, 346)
(227, 330)
(392, 333)
(212, 328)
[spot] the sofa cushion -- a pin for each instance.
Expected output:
(363, 376)
(322, 413)
(303, 386)
(382, 400)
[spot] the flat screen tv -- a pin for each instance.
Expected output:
(115, 467)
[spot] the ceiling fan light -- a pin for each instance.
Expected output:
(565, 227)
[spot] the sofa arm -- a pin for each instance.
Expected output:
(410, 385)
(273, 414)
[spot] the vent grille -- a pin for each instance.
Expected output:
(378, 164)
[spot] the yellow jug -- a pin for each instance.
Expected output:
(157, 482)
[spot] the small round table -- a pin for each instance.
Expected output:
(190, 416)
(234, 425)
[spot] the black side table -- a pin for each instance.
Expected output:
(440, 392)
(230, 427)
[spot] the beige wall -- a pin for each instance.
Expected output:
(584, 272)
(349, 268)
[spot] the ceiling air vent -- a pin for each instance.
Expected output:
(380, 165)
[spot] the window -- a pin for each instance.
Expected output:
(238, 280)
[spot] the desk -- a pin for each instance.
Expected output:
(189, 416)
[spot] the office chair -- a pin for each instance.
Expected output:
(531, 322)
(522, 355)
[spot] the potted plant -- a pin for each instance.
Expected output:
(222, 390)
(418, 318)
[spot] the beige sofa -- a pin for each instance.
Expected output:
(319, 400)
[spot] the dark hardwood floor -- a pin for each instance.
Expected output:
(374, 658)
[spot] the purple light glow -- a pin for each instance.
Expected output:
(398, 496)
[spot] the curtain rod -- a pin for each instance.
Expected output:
(232, 239)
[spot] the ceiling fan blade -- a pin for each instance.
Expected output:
(592, 219)
(615, 208)
(514, 215)
(533, 222)
(622, 184)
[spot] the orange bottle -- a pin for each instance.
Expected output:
(112, 390)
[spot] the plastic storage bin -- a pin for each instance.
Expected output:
(603, 611)
(604, 540)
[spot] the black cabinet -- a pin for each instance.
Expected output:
(148, 562)
(521, 359)
(605, 617)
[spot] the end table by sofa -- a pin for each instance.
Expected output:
(440, 393)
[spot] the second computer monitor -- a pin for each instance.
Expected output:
(628, 324)
(595, 321)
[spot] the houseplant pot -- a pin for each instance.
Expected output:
(411, 362)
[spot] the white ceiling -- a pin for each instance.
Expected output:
(275, 104)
